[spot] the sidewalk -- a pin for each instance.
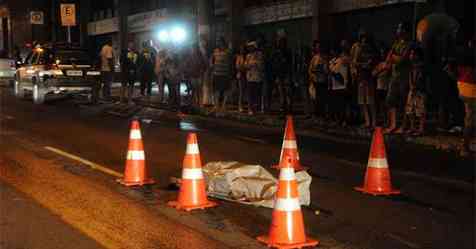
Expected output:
(320, 128)
(307, 127)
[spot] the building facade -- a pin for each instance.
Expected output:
(28, 21)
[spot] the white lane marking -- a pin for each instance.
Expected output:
(86, 162)
(255, 140)
(403, 241)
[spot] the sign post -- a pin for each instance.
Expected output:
(68, 17)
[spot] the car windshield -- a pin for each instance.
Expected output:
(72, 57)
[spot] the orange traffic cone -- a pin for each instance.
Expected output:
(289, 147)
(287, 225)
(135, 171)
(377, 178)
(192, 193)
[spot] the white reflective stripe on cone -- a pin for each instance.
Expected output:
(135, 134)
(287, 205)
(192, 149)
(192, 174)
(290, 144)
(287, 174)
(135, 155)
(379, 163)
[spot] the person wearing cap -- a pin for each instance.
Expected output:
(254, 65)
(221, 65)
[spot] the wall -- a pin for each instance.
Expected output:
(380, 22)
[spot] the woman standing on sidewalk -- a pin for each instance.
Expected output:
(174, 76)
(221, 68)
(254, 65)
(398, 60)
(318, 81)
(194, 67)
(241, 75)
(362, 62)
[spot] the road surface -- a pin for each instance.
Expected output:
(435, 210)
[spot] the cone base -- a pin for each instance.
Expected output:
(296, 168)
(177, 205)
(139, 183)
(375, 193)
(309, 243)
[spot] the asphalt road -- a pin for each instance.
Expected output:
(22, 223)
(436, 209)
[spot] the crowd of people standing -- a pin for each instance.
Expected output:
(349, 84)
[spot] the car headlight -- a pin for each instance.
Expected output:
(55, 72)
(93, 73)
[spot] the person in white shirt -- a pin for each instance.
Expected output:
(107, 68)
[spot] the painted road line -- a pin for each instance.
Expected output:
(255, 140)
(84, 161)
(403, 241)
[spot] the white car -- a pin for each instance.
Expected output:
(7, 71)
(57, 70)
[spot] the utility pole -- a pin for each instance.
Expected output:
(84, 13)
(54, 23)
(235, 22)
(123, 30)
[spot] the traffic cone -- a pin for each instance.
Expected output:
(135, 172)
(287, 225)
(289, 147)
(377, 178)
(192, 193)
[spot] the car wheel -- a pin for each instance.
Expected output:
(38, 93)
(18, 88)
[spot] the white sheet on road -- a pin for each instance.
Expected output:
(249, 184)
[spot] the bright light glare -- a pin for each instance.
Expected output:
(163, 36)
(178, 34)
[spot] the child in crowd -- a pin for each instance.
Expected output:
(382, 75)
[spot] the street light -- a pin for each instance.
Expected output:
(163, 36)
(178, 34)
(173, 35)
